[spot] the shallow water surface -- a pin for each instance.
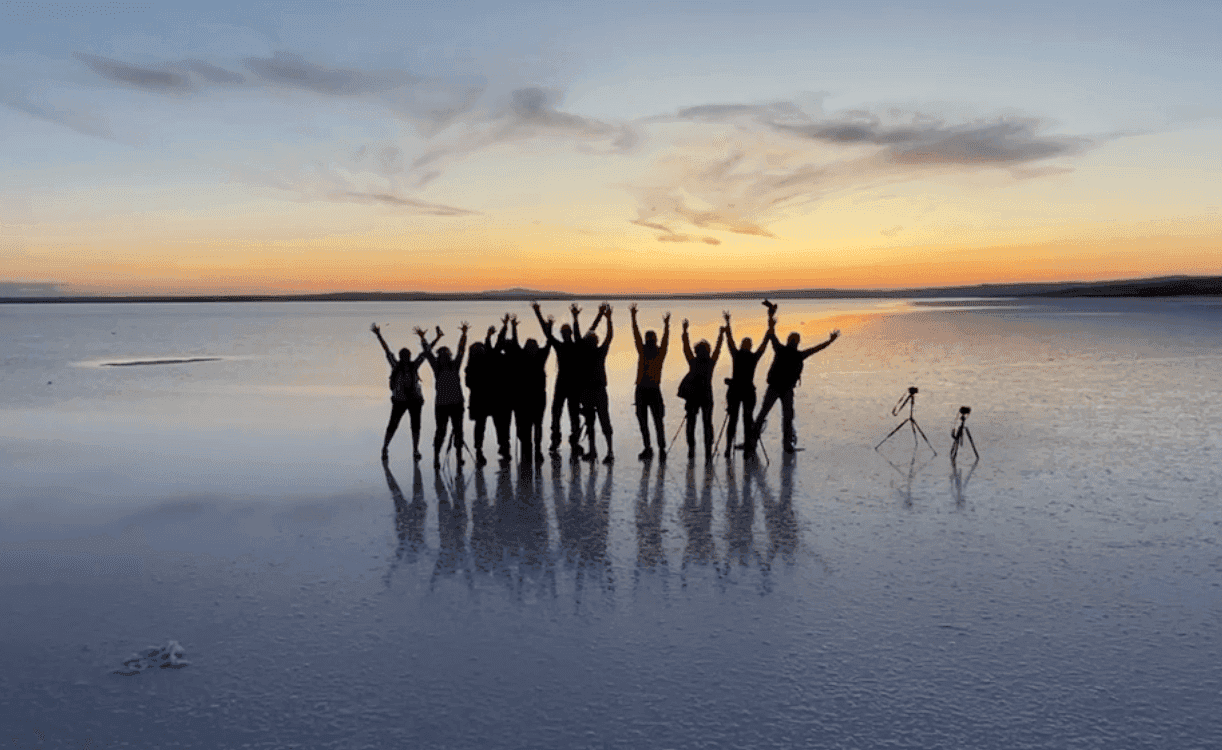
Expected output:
(1061, 592)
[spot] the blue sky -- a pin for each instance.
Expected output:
(366, 121)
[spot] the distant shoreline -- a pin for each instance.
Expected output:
(1175, 286)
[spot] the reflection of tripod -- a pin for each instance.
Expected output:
(909, 401)
(959, 431)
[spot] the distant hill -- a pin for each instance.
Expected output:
(1167, 286)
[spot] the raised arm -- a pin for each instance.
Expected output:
(602, 310)
(831, 337)
(462, 345)
(427, 348)
(729, 333)
(636, 330)
(665, 334)
(576, 311)
(717, 349)
(687, 343)
(610, 327)
(546, 325)
(390, 357)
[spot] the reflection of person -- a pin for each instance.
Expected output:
(696, 389)
(405, 394)
(783, 377)
(650, 357)
(741, 384)
(448, 403)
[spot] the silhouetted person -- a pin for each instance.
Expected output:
(405, 393)
(506, 373)
(594, 391)
(448, 404)
(531, 401)
(650, 357)
(567, 391)
(740, 390)
(783, 376)
(696, 389)
(481, 379)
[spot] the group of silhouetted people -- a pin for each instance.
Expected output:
(507, 382)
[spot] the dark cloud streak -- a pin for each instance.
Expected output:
(150, 79)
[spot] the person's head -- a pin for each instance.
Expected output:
(566, 332)
(794, 339)
(477, 350)
(405, 354)
(531, 346)
(443, 355)
(746, 344)
(651, 339)
(591, 339)
(703, 349)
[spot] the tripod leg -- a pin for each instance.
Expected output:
(954, 446)
(973, 442)
(889, 434)
(677, 430)
(721, 432)
(918, 427)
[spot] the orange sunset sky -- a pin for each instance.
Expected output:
(657, 148)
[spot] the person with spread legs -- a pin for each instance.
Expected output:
(567, 390)
(740, 390)
(405, 393)
(448, 403)
(696, 389)
(783, 377)
(650, 357)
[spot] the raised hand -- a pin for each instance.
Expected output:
(573, 308)
(440, 332)
(505, 320)
(491, 330)
(465, 325)
(726, 314)
(534, 306)
(834, 335)
(419, 331)
(666, 317)
(374, 327)
(685, 324)
(632, 309)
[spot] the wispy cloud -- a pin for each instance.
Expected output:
(719, 167)
(294, 71)
(151, 79)
(412, 204)
(744, 166)
(80, 120)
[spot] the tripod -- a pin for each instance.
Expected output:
(910, 401)
(959, 431)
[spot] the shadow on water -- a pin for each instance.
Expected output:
(650, 506)
(409, 518)
(959, 481)
(452, 555)
(509, 538)
(583, 518)
(697, 517)
(505, 536)
(779, 516)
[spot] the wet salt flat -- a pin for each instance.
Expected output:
(1062, 592)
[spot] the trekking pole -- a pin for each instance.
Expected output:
(721, 432)
(676, 435)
